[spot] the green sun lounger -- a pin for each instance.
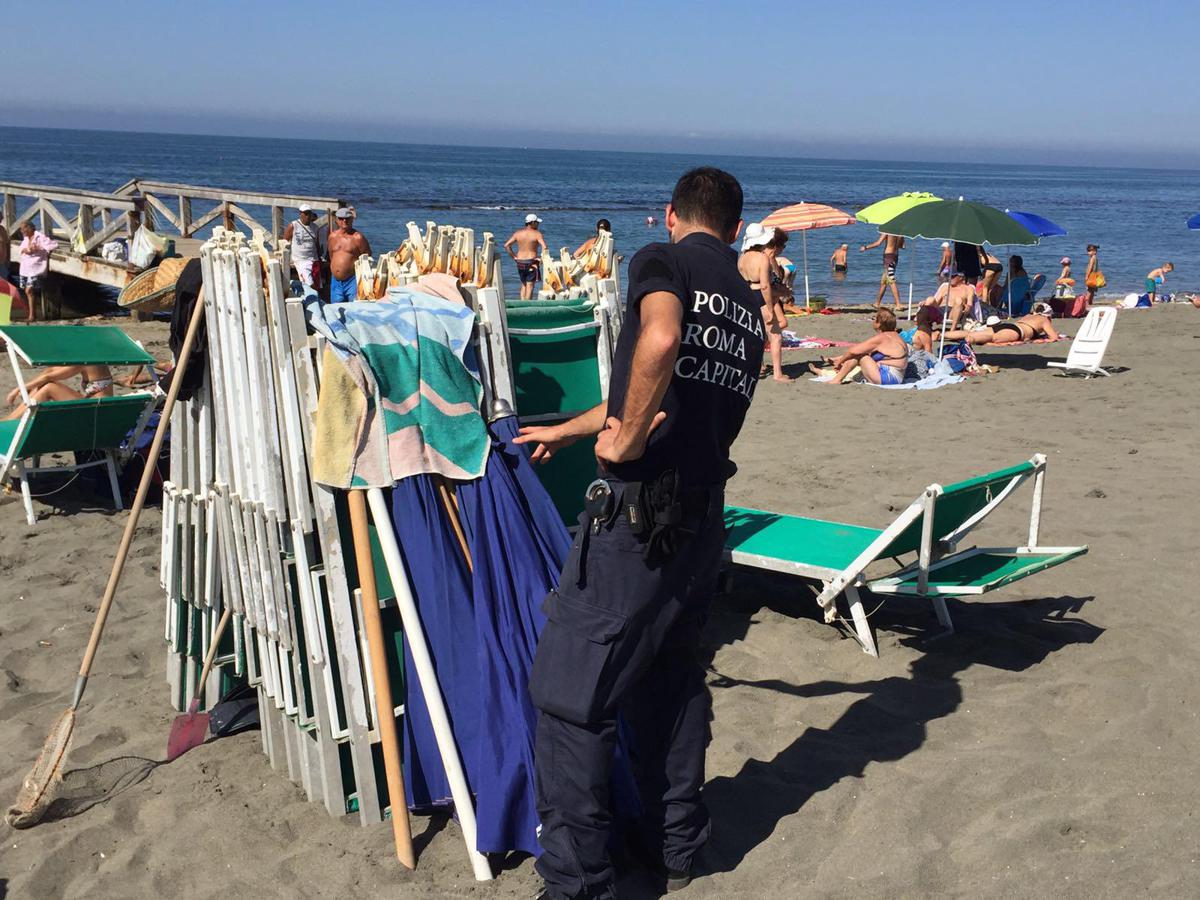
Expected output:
(99, 424)
(931, 528)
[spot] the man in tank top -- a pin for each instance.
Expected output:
(308, 247)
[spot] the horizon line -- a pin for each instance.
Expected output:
(503, 146)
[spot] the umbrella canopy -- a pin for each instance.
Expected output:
(887, 209)
(1194, 222)
(1036, 224)
(959, 220)
(803, 216)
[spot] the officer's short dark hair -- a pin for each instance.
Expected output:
(709, 197)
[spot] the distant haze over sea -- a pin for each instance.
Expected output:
(1136, 215)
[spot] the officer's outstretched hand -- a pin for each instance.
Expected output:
(613, 445)
(549, 439)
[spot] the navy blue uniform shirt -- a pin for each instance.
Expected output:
(720, 355)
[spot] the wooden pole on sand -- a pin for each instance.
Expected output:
(385, 714)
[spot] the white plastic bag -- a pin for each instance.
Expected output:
(146, 245)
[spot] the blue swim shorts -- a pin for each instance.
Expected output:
(343, 290)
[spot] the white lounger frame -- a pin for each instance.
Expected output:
(244, 524)
(932, 553)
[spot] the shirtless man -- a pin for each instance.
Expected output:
(528, 254)
(1033, 327)
(892, 245)
(882, 358)
(956, 295)
(838, 261)
(345, 246)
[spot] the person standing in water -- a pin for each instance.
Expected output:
(528, 255)
(602, 225)
(839, 262)
(945, 264)
(892, 245)
(345, 246)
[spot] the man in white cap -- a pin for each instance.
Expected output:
(308, 247)
(528, 254)
(345, 246)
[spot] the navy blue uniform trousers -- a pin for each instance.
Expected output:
(623, 638)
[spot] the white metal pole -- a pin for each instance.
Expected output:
(463, 805)
(912, 273)
(804, 243)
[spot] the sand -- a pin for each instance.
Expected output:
(1046, 748)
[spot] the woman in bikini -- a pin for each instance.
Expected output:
(883, 358)
(992, 270)
(1033, 327)
(97, 382)
(757, 265)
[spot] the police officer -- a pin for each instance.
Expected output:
(623, 628)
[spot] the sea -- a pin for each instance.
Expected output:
(1137, 216)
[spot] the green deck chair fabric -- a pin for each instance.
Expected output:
(554, 374)
(958, 502)
(90, 423)
(811, 543)
(73, 345)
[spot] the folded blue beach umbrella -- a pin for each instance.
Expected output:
(1040, 226)
(1194, 222)
(482, 629)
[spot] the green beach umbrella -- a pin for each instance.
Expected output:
(962, 221)
(959, 220)
(887, 209)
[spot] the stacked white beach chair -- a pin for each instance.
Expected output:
(244, 525)
(445, 249)
(568, 277)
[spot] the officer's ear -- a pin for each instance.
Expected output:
(737, 229)
(670, 219)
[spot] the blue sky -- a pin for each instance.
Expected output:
(1028, 82)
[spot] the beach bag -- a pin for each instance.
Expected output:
(1096, 280)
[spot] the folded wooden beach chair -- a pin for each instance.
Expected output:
(99, 424)
(930, 528)
(1087, 350)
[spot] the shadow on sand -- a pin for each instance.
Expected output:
(889, 720)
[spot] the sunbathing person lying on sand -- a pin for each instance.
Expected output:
(97, 382)
(1034, 327)
(882, 358)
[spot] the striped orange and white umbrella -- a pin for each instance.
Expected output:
(803, 217)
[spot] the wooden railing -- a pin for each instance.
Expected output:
(172, 205)
(94, 216)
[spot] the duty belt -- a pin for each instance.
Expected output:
(658, 510)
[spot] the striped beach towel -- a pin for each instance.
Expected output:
(406, 398)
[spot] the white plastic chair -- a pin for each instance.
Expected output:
(1087, 350)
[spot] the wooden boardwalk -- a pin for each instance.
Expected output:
(82, 221)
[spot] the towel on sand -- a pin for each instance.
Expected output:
(403, 400)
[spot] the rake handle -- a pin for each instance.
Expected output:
(135, 511)
(385, 714)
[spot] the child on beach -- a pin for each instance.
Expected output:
(1064, 284)
(1155, 277)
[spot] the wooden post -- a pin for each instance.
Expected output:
(45, 223)
(185, 216)
(86, 217)
(10, 212)
(227, 216)
(276, 223)
(105, 217)
(148, 216)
